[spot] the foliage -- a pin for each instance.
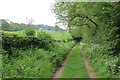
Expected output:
(45, 39)
(25, 64)
(30, 32)
(0, 65)
(59, 52)
(5, 25)
(10, 41)
(15, 27)
(34, 63)
(32, 57)
(108, 65)
(8, 25)
(97, 23)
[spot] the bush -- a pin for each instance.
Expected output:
(36, 63)
(29, 63)
(14, 41)
(59, 52)
(45, 38)
(30, 32)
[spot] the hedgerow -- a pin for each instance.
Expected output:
(32, 57)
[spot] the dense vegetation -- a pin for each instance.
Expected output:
(30, 53)
(98, 26)
(34, 55)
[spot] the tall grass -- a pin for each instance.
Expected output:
(27, 64)
(103, 65)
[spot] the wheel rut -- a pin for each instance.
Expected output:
(61, 68)
(91, 73)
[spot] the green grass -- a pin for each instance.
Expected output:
(74, 68)
(57, 35)
(95, 60)
(19, 33)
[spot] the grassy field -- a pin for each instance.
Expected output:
(60, 35)
(57, 35)
(74, 67)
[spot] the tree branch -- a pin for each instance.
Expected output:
(84, 16)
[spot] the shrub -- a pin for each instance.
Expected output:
(30, 32)
(29, 63)
(45, 38)
(34, 63)
(59, 52)
(13, 41)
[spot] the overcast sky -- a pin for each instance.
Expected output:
(18, 10)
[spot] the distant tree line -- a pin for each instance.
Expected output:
(7, 25)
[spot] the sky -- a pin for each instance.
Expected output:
(19, 10)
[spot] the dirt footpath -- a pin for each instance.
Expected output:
(91, 73)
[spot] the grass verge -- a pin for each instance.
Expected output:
(102, 64)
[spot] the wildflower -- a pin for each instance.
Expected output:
(114, 65)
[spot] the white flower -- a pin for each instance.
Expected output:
(114, 65)
(119, 67)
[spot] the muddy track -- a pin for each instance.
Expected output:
(60, 69)
(91, 73)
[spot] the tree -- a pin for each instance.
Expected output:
(5, 25)
(74, 14)
(15, 27)
(30, 32)
(96, 22)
